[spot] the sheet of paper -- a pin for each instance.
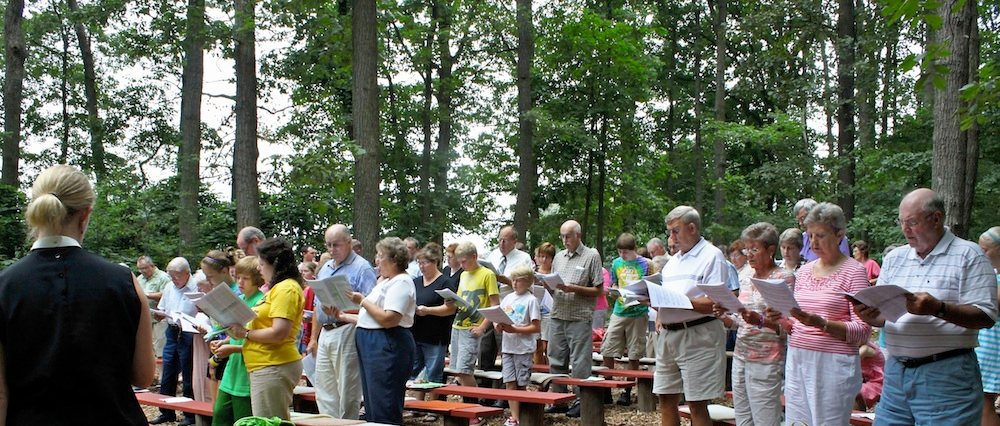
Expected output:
(177, 399)
(425, 385)
(655, 278)
(167, 315)
(889, 299)
(552, 281)
(225, 308)
(539, 292)
(495, 314)
(194, 295)
(189, 322)
(631, 298)
(332, 291)
(776, 294)
(447, 294)
(662, 297)
(721, 294)
(309, 367)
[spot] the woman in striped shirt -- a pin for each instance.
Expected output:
(823, 369)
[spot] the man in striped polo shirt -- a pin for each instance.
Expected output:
(931, 375)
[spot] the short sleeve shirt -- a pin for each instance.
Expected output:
(583, 268)
(624, 272)
(235, 381)
(475, 287)
(522, 310)
(154, 284)
(395, 294)
(703, 264)
(514, 258)
(360, 275)
(283, 300)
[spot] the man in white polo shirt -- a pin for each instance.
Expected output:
(692, 343)
(931, 375)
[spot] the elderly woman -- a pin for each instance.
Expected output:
(759, 355)
(823, 369)
(790, 243)
(801, 210)
(432, 325)
(385, 344)
(270, 351)
(988, 351)
(860, 252)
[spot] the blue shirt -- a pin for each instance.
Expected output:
(733, 279)
(360, 275)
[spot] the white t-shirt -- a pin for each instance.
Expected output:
(514, 258)
(522, 309)
(703, 264)
(395, 294)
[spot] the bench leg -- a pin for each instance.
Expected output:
(455, 421)
(647, 401)
(591, 406)
(201, 420)
(532, 414)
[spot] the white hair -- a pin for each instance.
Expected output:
(179, 264)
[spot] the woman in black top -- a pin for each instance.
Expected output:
(70, 320)
(431, 331)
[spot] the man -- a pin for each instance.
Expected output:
(248, 238)
(309, 254)
(800, 210)
(177, 351)
(571, 342)
(657, 254)
(691, 355)
(338, 376)
(356, 246)
(412, 245)
(627, 327)
(153, 281)
(932, 376)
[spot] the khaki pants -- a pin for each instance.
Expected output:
(271, 389)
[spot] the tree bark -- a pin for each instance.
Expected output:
(696, 150)
(189, 156)
(719, 145)
(15, 52)
(426, 118)
(94, 123)
(867, 69)
(953, 167)
(63, 87)
(246, 193)
(602, 171)
(828, 111)
(527, 171)
(889, 78)
(447, 85)
(367, 177)
(846, 45)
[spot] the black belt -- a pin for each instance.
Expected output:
(916, 362)
(333, 325)
(682, 325)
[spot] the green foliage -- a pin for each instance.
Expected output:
(12, 227)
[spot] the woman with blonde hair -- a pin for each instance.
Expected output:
(69, 314)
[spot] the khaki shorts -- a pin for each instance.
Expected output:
(692, 361)
(622, 330)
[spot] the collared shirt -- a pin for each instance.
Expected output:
(174, 300)
(54, 241)
(581, 267)
(154, 284)
(703, 264)
(957, 272)
(413, 269)
(395, 294)
(514, 258)
(359, 274)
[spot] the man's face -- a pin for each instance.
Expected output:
(310, 255)
(507, 240)
(919, 227)
(338, 246)
(468, 263)
(655, 250)
(249, 247)
(179, 278)
(570, 239)
(146, 269)
(684, 234)
(800, 217)
(412, 248)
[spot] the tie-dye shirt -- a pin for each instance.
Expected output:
(625, 272)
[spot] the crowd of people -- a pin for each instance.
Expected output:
(938, 363)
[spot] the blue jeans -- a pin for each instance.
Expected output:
(429, 358)
(386, 360)
(177, 352)
(946, 392)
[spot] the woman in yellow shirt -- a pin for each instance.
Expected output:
(269, 351)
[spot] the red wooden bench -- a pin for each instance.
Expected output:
(454, 413)
(643, 386)
(592, 397)
(532, 403)
(203, 410)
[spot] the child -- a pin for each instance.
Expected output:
(519, 339)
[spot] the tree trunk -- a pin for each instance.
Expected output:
(246, 193)
(426, 119)
(828, 110)
(588, 196)
(889, 78)
(867, 69)
(63, 88)
(447, 85)
(955, 151)
(15, 53)
(602, 168)
(926, 100)
(699, 172)
(719, 145)
(189, 156)
(367, 177)
(846, 36)
(94, 123)
(527, 172)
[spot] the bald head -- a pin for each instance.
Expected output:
(507, 239)
(921, 217)
(339, 231)
(337, 240)
(570, 233)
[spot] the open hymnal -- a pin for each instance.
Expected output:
(225, 308)
(496, 314)
(333, 292)
(447, 294)
(889, 299)
(777, 295)
(721, 294)
(552, 281)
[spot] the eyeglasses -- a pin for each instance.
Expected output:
(747, 252)
(909, 223)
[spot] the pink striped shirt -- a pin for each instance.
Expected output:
(821, 296)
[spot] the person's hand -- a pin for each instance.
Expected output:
(751, 317)
(702, 305)
(330, 310)
(450, 303)
(200, 328)
(718, 310)
(806, 318)
(236, 331)
(311, 347)
(158, 316)
(226, 350)
(477, 331)
(421, 310)
(356, 297)
(869, 314)
(502, 327)
(922, 303)
(215, 345)
(659, 327)
(772, 315)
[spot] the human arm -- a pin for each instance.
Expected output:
(143, 363)
(4, 394)
(534, 327)
(314, 332)
(385, 318)
(481, 328)
(962, 315)
(279, 330)
(445, 309)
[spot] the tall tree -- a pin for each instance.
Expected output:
(364, 58)
(15, 52)
(954, 164)
(527, 171)
(246, 193)
(94, 123)
(189, 156)
(846, 47)
(719, 144)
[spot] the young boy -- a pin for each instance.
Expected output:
(519, 339)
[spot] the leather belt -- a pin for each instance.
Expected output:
(688, 324)
(333, 325)
(916, 362)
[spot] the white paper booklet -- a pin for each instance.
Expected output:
(721, 294)
(225, 308)
(777, 295)
(552, 281)
(655, 278)
(495, 314)
(332, 292)
(194, 295)
(447, 294)
(658, 296)
(167, 316)
(189, 322)
(889, 299)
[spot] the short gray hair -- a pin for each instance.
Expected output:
(145, 260)
(791, 236)
(828, 214)
(804, 204)
(656, 242)
(395, 250)
(250, 233)
(762, 232)
(934, 204)
(178, 264)
(687, 214)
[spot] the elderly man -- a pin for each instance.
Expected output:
(658, 255)
(356, 246)
(932, 376)
(177, 351)
(248, 238)
(800, 210)
(571, 342)
(153, 281)
(412, 246)
(338, 376)
(692, 352)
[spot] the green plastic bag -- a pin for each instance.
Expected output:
(262, 421)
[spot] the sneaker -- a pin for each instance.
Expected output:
(574, 410)
(556, 409)
(510, 422)
(625, 399)
(501, 403)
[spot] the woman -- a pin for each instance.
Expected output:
(233, 400)
(739, 260)
(544, 254)
(759, 354)
(431, 331)
(308, 272)
(270, 352)
(70, 320)
(988, 351)
(454, 270)
(385, 344)
(823, 369)
(860, 252)
(790, 242)
(215, 266)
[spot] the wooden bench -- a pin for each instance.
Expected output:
(202, 410)
(454, 413)
(643, 387)
(592, 396)
(532, 403)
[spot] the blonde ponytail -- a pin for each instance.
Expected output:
(58, 193)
